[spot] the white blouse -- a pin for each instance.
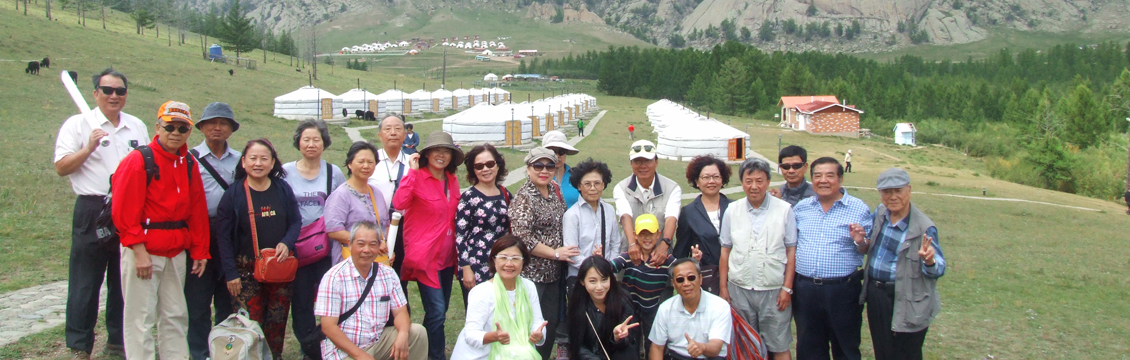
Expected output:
(480, 310)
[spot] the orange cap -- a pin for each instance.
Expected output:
(174, 111)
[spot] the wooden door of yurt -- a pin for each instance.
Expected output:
(327, 109)
(560, 118)
(577, 109)
(737, 149)
(506, 96)
(549, 124)
(471, 100)
(454, 102)
(407, 106)
(570, 110)
(535, 126)
(373, 107)
(513, 132)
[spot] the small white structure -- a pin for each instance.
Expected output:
(497, 95)
(490, 77)
(358, 99)
(486, 123)
(441, 100)
(307, 102)
(905, 133)
(391, 101)
(461, 98)
(684, 134)
(421, 101)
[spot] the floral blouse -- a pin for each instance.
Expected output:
(479, 220)
(537, 219)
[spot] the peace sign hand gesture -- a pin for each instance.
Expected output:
(696, 253)
(621, 331)
(926, 253)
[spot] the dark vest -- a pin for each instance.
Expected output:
(916, 296)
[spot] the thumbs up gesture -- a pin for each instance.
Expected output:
(694, 348)
(538, 333)
(621, 331)
(501, 336)
(926, 253)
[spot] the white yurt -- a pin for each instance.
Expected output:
(905, 133)
(421, 101)
(391, 101)
(358, 99)
(477, 96)
(497, 95)
(461, 98)
(444, 98)
(485, 123)
(305, 103)
(687, 139)
(490, 77)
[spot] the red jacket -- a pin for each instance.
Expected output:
(171, 198)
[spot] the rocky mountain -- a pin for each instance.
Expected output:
(796, 25)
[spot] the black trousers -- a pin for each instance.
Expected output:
(304, 291)
(92, 262)
(847, 168)
(552, 293)
(890, 345)
(201, 293)
(828, 312)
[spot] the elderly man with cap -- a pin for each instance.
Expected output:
(904, 262)
(160, 217)
(87, 154)
(217, 162)
(647, 192)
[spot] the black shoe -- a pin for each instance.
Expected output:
(79, 354)
(114, 351)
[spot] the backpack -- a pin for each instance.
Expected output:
(238, 338)
(104, 223)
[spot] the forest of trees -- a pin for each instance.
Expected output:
(1052, 118)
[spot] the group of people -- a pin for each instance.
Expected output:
(549, 264)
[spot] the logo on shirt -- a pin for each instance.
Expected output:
(265, 211)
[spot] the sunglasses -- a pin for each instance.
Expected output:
(486, 165)
(793, 166)
(559, 152)
(544, 166)
(183, 129)
(691, 278)
(121, 91)
(647, 148)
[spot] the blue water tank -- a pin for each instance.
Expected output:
(215, 52)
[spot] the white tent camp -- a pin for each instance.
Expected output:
(306, 103)
(498, 95)
(444, 98)
(905, 134)
(358, 99)
(391, 101)
(421, 101)
(485, 123)
(477, 96)
(490, 77)
(462, 98)
(684, 134)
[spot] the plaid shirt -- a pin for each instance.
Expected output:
(824, 246)
(886, 256)
(340, 289)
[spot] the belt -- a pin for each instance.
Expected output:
(165, 225)
(883, 284)
(98, 198)
(827, 281)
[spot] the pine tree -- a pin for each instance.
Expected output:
(730, 87)
(237, 32)
(1083, 122)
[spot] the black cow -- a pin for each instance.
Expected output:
(359, 113)
(32, 68)
(231, 72)
(369, 115)
(46, 63)
(74, 75)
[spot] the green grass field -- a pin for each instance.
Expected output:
(1022, 283)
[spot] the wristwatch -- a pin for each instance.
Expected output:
(788, 290)
(667, 241)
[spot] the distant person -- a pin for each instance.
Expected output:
(631, 132)
(792, 161)
(904, 264)
(832, 230)
(581, 127)
(700, 222)
(161, 222)
(217, 162)
(95, 251)
(758, 259)
(482, 216)
(411, 140)
(557, 142)
(847, 162)
(647, 192)
(695, 324)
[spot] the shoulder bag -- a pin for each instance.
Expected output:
(267, 268)
(313, 242)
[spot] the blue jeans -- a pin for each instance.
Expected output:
(435, 302)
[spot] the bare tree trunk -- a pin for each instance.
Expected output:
(48, 9)
(103, 13)
(1127, 158)
(169, 34)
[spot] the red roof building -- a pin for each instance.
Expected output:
(825, 118)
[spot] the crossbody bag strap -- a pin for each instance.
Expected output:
(601, 343)
(211, 170)
(603, 239)
(251, 217)
(329, 178)
(376, 213)
(364, 294)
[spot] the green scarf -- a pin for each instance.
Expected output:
(518, 326)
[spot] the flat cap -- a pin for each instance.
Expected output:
(893, 178)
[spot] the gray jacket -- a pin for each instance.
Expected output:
(916, 296)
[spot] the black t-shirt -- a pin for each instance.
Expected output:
(270, 221)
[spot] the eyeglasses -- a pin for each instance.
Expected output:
(647, 148)
(183, 129)
(591, 184)
(486, 165)
(121, 91)
(793, 166)
(543, 166)
(508, 259)
(706, 178)
(691, 278)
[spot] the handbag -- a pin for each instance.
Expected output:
(313, 242)
(311, 343)
(267, 268)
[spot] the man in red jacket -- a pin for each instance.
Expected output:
(159, 219)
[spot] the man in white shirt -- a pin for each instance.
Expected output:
(88, 154)
(647, 192)
(392, 165)
(694, 325)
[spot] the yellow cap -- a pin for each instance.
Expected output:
(174, 111)
(647, 222)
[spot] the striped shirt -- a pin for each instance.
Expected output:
(884, 261)
(339, 291)
(645, 283)
(825, 249)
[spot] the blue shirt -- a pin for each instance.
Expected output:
(224, 166)
(886, 254)
(570, 193)
(824, 245)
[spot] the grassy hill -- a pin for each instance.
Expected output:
(1025, 280)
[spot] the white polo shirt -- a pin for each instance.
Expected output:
(385, 175)
(711, 320)
(93, 177)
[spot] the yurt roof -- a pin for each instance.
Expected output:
(475, 91)
(306, 93)
(392, 95)
(701, 129)
(357, 95)
(441, 93)
(420, 94)
(498, 90)
(461, 92)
